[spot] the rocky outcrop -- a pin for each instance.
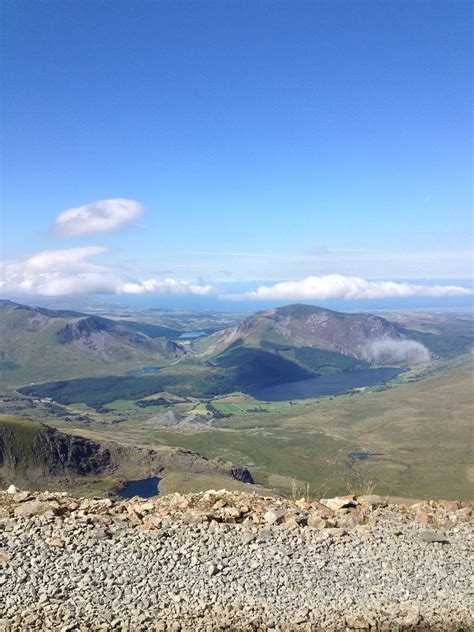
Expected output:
(189, 421)
(80, 328)
(241, 474)
(98, 334)
(30, 450)
(189, 461)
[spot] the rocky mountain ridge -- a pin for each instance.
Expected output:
(302, 325)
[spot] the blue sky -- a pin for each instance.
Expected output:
(263, 141)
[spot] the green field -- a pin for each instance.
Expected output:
(249, 407)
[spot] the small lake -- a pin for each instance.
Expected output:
(145, 371)
(324, 385)
(192, 334)
(362, 456)
(146, 488)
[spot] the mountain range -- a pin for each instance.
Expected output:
(269, 347)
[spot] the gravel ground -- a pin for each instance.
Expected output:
(101, 565)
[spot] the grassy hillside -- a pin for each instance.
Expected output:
(319, 361)
(249, 368)
(22, 433)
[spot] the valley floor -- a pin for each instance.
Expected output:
(412, 438)
(233, 561)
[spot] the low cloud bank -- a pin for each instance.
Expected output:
(336, 286)
(392, 351)
(168, 286)
(69, 271)
(97, 217)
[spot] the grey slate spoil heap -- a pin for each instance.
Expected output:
(233, 561)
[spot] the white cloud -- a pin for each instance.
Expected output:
(69, 271)
(71, 258)
(391, 351)
(336, 286)
(168, 286)
(98, 217)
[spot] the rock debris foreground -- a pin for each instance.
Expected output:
(233, 561)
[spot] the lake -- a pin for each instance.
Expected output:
(146, 488)
(145, 371)
(324, 385)
(192, 334)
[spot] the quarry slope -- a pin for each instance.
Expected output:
(233, 561)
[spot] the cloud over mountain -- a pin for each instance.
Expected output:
(388, 350)
(97, 217)
(336, 286)
(69, 271)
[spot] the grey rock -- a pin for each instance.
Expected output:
(433, 536)
(274, 517)
(248, 537)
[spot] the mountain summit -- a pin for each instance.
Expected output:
(308, 327)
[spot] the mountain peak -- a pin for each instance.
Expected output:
(302, 310)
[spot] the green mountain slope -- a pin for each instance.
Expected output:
(37, 344)
(249, 368)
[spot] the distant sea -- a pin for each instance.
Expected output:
(212, 303)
